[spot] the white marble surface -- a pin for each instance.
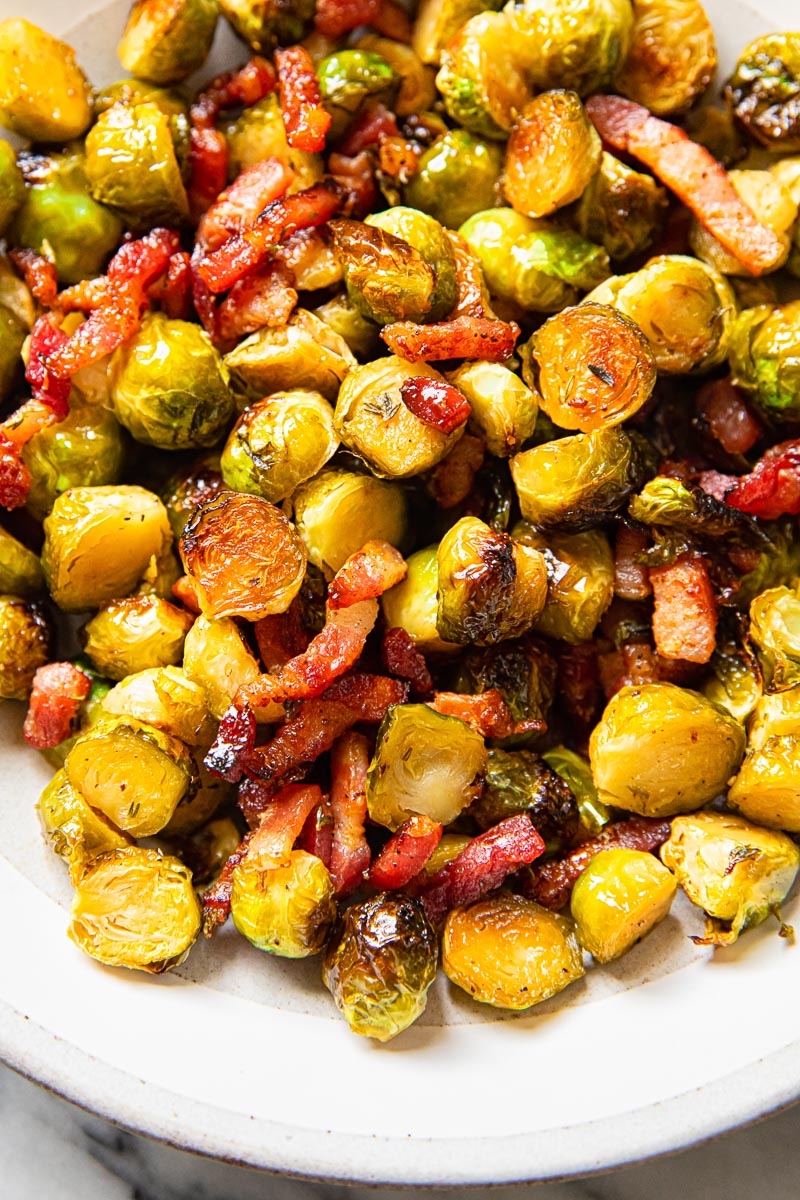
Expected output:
(52, 1151)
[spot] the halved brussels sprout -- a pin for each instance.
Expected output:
(347, 78)
(136, 634)
(775, 629)
(372, 420)
(577, 774)
(774, 207)
(521, 671)
(412, 605)
(618, 899)
(166, 40)
(358, 331)
(684, 307)
(98, 543)
(134, 774)
(767, 788)
(304, 353)
(12, 338)
(135, 908)
(25, 638)
(504, 410)
(258, 133)
(777, 715)
(576, 482)
(166, 698)
(86, 449)
(197, 807)
(380, 963)
(578, 44)
(262, 23)
(279, 443)
(764, 90)
(520, 781)
(12, 185)
(716, 129)
(44, 95)
(216, 658)
(438, 21)
(337, 511)
(481, 80)
(424, 763)
(285, 907)
(510, 952)
(20, 569)
(736, 871)
(76, 832)
(764, 359)
(428, 238)
(621, 209)
(490, 587)
(386, 278)
(553, 152)
(692, 750)
(458, 175)
(580, 575)
(672, 57)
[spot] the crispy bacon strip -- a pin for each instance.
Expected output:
(264, 297)
(369, 695)
(370, 127)
(217, 898)
(463, 337)
(235, 739)
(46, 339)
(694, 175)
(281, 637)
(480, 867)
(367, 574)
(255, 796)
(722, 408)
(772, 489)
(631, 581)
(405, 854)
(551, 883)
(208, 169)
(487, 713)
(58, 691)
(174, 291)
(350, 852)
(336, 17)
(579, 683)
(435, 403)
(304, 115)
(240, 203)
(685, 612)
(39, 273)
(316, 836)
(402, 658)
(85, 296)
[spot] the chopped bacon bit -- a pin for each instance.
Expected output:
(240, 204)
(46, 338)
(402, 658)
(85, 296)
(202, 297)
(405, 854)
(248, 249)
(350, 852)
(59, 689)
(451, 481)
(283, 821)
(723, 410)
(367, 574)
(637, 663)
(715, 484)
(264, 297)
(185, 593)
(356, 178)
(772, 489)
(630, 578)
(15, 478)
(463, 337)
(304, 116)
(480, 867)
(551, 883)
(39, 273)
(217, 898)
(281, 637)
(254, 796)
(685, 612)
(435, 403)
(579, 683)
(369, 128)
(208, 169)
(694, 175)
(487, 713)
(316, 836)
(472, 300)
(336, 17)
(398, 158)
(174, 293)
(235, 739)
(369, 695)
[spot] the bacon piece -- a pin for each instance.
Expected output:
(551, 883)
(46, 339)
(772, 489)
(402, 658)
(281, 637)
(480, 867)
(722, 408)
(718, 485)
(217, 898)
(254, 796)
(405, 854)
(637, 663)
(398, 158)
(487, 713)
(174, 292)
(694, 175)
(435, 403)
(393, 22)
(336, 17)
(264, 297)
(350, 852)
(208, 169)
(367, 574)
(316, 836)
(578, 687)
(85, 296)
(369, 128)
(631, 581)
(369, 695)
(355, 178)
(248, 249)
(39, 274)
(240, 204)
(235, 739)
(685, 612)
(463, 337)
(58, 691)
(304, 115)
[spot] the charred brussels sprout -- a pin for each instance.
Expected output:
(565, 44)
(86, 449)
(775, 629)
(99, 542)
(283, 907)
(76, 832)
(44, 95)
(412, 605)
(259, 133)
(764, 358)
(458, 176)
(166, 698)
(672, 57)
(279, 443)
(774, 207)
(216, 658)
(305, 353)
(577, 774)
(693, 748)
(12, 186)
(618, 899)
(166, 40)
(504, 410)
(481, 80)
(735, 871)
(580, 575)
(424, 763)
(621, 209)
(135, 908)
(428, 238)
(136, 634)
(20, 569)
(553, 152)
(764, 90)
(380, 963)
(521, 782)
(521, 671)
(417, 94)
(510, 952)
(24, 645)
(347, 78)
(337, 511)
(262, 23)
(490, 587)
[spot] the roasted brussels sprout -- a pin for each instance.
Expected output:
(764, 90)
(372, 420)
(279, 443)
(715, 129)
(684, 307)
(305, 353)
(417, 94)
(132, 773)
(166, 40)
(412, 605)
(438, 21)
(618, 899)
(25, 638)
(216, 658)
(775, 715)
(76, 832)
(522, 672)
(424, 763)
(737, 683)
(580, 576)
(504, 410)
(347, 78)
(458, 176)
(521, 782)
(775, 629)
(166, 698)
(99, 541)
(564, 44)
(693, 748)
(428, 238)
(380, 963)
(12, 186)
(135, 908)
(360, 334)
(771, 202)
(510, 952)
(621, 209)
(767, 788)
(20, 569)
(44, 95)
(577, 774)
(259, 133)
(764, 359)
(12, 338)
(337, 511)
(86, 449)
(672, 57)
(481, 80)
(553, 152)
(262, 23)
(490, 587)
(735, 871)
(136, 634)
(576, 482)
(284, 907)
(132, 167)
(387, 279)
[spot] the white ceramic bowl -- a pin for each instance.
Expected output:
(244, 1057)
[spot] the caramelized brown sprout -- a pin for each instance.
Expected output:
(262, 23)
(764, 90)
(621, 209)
(481, 80)
(553, 152)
